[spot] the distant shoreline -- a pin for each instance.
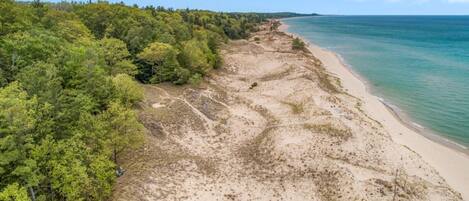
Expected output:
(455, 152)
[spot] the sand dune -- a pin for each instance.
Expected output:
(273, 124)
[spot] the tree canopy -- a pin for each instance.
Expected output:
(69, 87)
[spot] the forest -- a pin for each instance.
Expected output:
(70, 76)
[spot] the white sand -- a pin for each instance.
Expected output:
(451, 164)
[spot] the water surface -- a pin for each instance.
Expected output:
(418, 63)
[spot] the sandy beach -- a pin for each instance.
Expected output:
(451, 164)
(280, 124)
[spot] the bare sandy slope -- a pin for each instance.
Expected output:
(295, 136)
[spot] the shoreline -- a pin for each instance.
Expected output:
(398, 113)
(395, 110)
(449, 158)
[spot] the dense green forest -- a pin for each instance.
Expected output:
(69, 78)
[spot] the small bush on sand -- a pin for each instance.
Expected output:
(195, 79)
(253, 85)
(298, 44)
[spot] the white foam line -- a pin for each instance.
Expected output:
(455, 143)
(418, 125)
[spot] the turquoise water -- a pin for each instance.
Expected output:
(418, 63)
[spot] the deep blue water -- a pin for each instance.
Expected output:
(418, 63)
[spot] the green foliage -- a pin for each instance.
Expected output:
(196, 79)
(146, 30)
(298, 44)
(159, 62)
(20, 49)
(68, 174)
(102, 172)
(17, 120)
(58, 114)
(131, 25)
(182, 75)
(122, 128)
(67, 87)
(65, 25)
(127, 90)
(197, 56)
(47, 83)
(14, 192)
(117, 57)
(13, 17)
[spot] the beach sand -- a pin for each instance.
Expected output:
(451, 164)
(280, 124)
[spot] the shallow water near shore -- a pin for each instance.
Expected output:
(420, 64)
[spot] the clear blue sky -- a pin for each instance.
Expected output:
(344, 7)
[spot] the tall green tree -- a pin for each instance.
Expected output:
(46, 85)
(17, 122)
(21, 49)
(197, 56)
(159, 62)
(14, 192)
(13, 17)
(117, 57)
(123, 130)
(128, 90)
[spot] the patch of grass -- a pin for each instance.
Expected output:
(195, 79)
(330, 129)
(325, 82)
(277, 75)
(298, 44)
(324, 79)
(253, 151)
(296, 108)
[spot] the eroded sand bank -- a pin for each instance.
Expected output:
(297, 134)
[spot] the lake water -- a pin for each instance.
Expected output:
(418, 63)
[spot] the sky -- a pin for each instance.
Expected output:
(340, 7)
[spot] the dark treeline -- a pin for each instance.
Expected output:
(68, 88)
(283, 15)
